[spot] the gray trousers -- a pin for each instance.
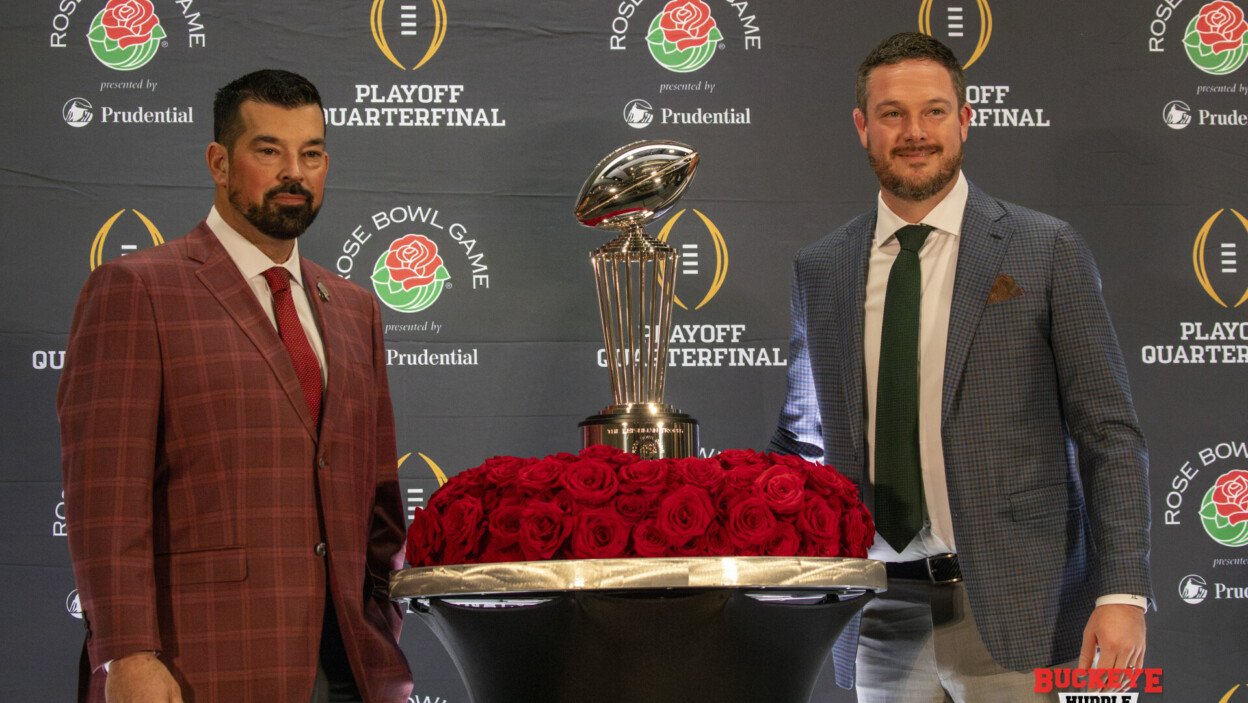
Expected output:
(919, 643)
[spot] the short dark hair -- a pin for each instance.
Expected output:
(271, 86)
(905, 46)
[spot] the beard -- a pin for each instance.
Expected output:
(278, 221)
(915, 191)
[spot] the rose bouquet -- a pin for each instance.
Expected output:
(604, 503)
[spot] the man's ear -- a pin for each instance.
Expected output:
(218, 158)
(860, 123)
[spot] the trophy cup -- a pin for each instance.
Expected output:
(636, 280)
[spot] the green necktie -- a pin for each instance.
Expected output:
(898, 476)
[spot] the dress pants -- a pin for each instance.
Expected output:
(919, 644)
(334, 681)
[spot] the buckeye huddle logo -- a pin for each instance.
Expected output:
(126, 34)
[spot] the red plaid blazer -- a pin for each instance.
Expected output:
(198, 489)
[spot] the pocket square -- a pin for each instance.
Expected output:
(1004, 288)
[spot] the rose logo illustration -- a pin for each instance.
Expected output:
(1215, 38)
(125, 34)
(1224, 511)
(410, 275)
(683, 37)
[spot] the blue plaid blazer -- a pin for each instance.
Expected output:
(1045, 462)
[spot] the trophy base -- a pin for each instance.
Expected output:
(649, 430)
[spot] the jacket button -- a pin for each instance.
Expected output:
(321, 463)
(320, 549)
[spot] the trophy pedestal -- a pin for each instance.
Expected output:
(688, 630)
(648, 430)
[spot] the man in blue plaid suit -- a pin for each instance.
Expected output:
(1032, 546)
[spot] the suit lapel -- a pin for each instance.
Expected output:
(222, 278)
(331, 337)
(984, 239)
(843, 268)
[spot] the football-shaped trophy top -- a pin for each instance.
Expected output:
(635, 184)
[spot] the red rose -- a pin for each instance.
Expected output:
(503, 470)
(424, 538)
(1230, 495)
(505, 524)
(611, 455)
(648, 476)
(599, 534)
(783, 488)
(696, 547)
(718, 543)
(1221, 26)
(543, 528)
(732, 458)
(687, 23)
(784, 541)
(539, 476)
(685, 513)
(129, 22)
(462, 527)
(497, 554)
(750, 523)
(413, 260)
(590, 481)
(827, 481)
(635, 507)
(703, 473)
(820, 525)
(452, 492)
(857, 532)
(649, 540)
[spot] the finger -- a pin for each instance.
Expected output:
(1088, 651)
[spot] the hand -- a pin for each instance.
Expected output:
(140, 678)
(1118, 630)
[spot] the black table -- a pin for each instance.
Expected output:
(684, 630)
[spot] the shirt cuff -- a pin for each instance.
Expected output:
(1123, 599)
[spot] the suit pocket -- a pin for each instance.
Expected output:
(201, 566)
(1039, 502)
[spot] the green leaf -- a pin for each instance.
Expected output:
(158, 32)
(714, 35)
(97, 33)
(656, 35)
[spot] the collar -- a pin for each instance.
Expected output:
(945, 217)
(247, 257)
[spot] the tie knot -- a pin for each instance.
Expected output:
(278, 278)
(913, 236)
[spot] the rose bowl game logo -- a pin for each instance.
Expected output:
(1216, 40)
(1224, 511)
(409, 276)
(126, 34)
(684, 36)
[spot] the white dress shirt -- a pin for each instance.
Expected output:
(938, 263)
(252, 263)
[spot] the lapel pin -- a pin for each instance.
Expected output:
(320, 288)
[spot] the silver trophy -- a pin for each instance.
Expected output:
(636, 278)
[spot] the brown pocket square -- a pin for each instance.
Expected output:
(1003, 289)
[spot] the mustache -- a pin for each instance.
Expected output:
(291, 188)
(930, 150)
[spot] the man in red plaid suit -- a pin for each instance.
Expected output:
(228, 444)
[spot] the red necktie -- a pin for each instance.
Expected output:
(288, 326)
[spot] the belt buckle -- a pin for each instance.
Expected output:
(950, 558)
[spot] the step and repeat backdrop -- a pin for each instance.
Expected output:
(474, 124)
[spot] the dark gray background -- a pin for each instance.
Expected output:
(1139, 191)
